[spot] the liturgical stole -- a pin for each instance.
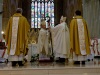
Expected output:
(14, 35)
(81, 36)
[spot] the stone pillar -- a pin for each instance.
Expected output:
(69, 8)
(58, 10)
(66, 8)
(91, 13)
(26, 6)
(1, 4)
(9, 8)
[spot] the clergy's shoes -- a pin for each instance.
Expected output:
(79, 62)
(14, 63)
(83, 62)
(20, 63)
(76, 62)
(51, 59)
(60, 60)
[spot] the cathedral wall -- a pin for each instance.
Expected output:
(9, 8)
(69, 8)
(1, 18)
(91, 12)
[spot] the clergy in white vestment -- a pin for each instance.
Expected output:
(43, 40)
(16, 36)
(61, 40)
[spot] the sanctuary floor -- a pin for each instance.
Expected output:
(45, 68)
(94, 63)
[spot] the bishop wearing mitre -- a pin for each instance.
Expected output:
(61, 40)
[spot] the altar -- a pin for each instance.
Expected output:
(32, 51)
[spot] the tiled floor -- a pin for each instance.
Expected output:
(94, 63)
(36, 68)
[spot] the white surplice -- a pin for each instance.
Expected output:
(61, 40)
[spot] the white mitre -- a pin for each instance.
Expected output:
(63, 19)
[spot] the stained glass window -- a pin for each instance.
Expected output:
(41, 9)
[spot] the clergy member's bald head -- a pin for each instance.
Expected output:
(19, 10)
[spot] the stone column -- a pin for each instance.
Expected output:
(69, 8)
(9, 8)
(91, 13)
(1, 4)
(58, 10)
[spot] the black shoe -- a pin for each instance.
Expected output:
(76, 62)
(20, 63)
(51, 59)
(62, 60)
(88, 59)
(83, 62)
(14, 63)
(6, 61)
(58, 59)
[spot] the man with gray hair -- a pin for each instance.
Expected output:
(16, 37)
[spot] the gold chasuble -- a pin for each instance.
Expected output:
(79, 38)
(16, 34)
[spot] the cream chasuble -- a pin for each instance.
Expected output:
(61, 40)
(14, 35)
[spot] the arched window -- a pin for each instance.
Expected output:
(41, 9)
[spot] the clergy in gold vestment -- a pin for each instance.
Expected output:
(61, 40)
(16, 37)
(79, 38)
